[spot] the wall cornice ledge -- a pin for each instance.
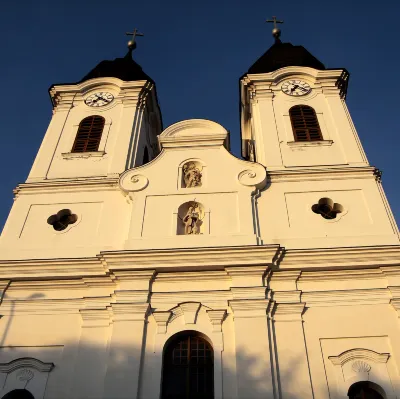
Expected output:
(49, 186)
(345, 257)
(210, 258)
(347, 297)
(64, 267)
(321, 173)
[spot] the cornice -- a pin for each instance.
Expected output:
(249, 308)
(26, 362)
(210, 276)
(345, 257)
(322, 173)
(347, 297)
(42, 306)
(209, 258)
(66, 185)
(37, 268)
(342, 275)
(354, 354)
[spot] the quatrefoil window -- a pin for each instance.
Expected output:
(62, 219)
(327, 208)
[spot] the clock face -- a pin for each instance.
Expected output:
(296, 87)
(99, 99)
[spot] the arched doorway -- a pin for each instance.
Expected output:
(188, 367)
(18, 394)
(365, 390)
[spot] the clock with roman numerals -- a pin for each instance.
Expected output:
(296, 87)
(99, 99)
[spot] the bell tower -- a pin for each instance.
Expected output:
(102, 125)
(295, 122)
(293, 111)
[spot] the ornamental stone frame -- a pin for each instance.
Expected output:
(25, 373)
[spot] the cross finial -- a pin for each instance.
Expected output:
(132, 42)
(276, 32)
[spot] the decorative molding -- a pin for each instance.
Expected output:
(359, 366)
(78, 155)
(95, 318)
(305, 144)
(129, 311)
(193, 133)
(352, 297)
(216, 318)
(248, 276)
(25, 375)
(359, 354)
(162, 319)
(249, 308)
(26, 362)
(131, 181)
(67, 185)
(248, 292)
(286, 296)
(190, 310)
(349, 257)
(288, 311)
(321, 173)
(254, 177)
(208, 258)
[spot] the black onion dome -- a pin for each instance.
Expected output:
(281, 55)
(122, 68)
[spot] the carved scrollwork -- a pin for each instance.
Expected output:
(137, 182)
(25, 375)
(359, 366)
(253, 177)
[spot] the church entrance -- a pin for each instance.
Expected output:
(188, 368)
(365, 390)
(18, 394)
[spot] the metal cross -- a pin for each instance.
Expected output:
(275, 21)
(132, 42)
(276, 32)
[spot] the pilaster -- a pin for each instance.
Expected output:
(253, 359)
(91, 360)
(291, 350)
(129, 314)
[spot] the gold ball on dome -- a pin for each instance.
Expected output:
(276, 32)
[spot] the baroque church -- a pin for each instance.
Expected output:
(143, 262)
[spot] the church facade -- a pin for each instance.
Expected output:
(142, 262)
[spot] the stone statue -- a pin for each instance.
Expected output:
(192, 219)
(191, 175)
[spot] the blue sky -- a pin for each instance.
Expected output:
(195, 51)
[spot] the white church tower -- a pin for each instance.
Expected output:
(138, 262)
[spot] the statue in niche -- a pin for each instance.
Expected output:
(192, 219)
(191, 175)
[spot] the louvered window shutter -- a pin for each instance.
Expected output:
(89, 134)
(305, 123)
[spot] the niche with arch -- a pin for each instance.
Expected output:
(192, 174)
(188, 367)
(191, 218)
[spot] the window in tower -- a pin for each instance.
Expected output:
(62, 219)
(327, 208)
(89, 134)
(188, 367)
(305, 123)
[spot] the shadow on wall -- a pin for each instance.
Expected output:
(94, 367)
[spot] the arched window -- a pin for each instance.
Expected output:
(365, 390)
(18, 394)
(188, 368)
(305, 123)
(89, 134)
